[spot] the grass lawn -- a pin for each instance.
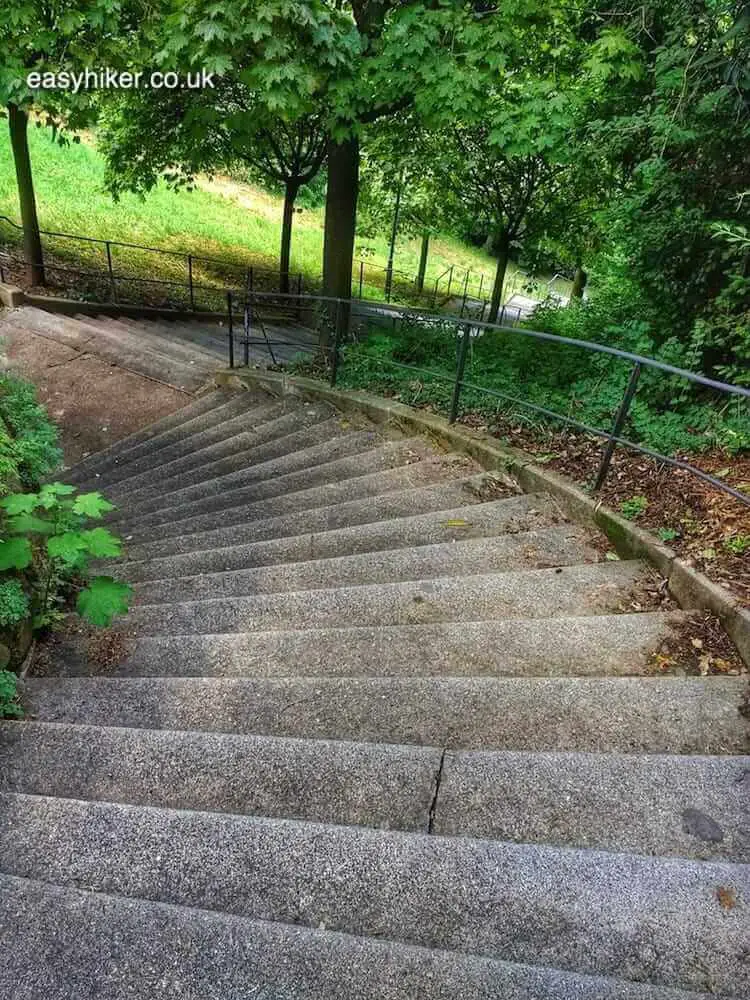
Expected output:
(222, 218)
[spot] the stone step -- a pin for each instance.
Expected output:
(369, 525)
(562, 545)
(259, 426)
(623, 915)
(345, 445)
(693, 807)
(65, 944)
(138, 334)
(608, 645)
(227, 458)
(193, 409)
(119, 349)
(543, 593)
(239, 415)
(246, 505)
(692, 715)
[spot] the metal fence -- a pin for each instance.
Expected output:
(341, 322)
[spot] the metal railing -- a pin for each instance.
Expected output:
(340, 316)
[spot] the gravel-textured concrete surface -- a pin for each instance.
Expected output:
(207, 406)
(696, 807)
(360, 784)
(449, 510)
(627, 714)
(561, 545)
(540, 593)
(343, 445)
(128, 352)
(163, 453)
(387, 456)
(410, 474)
(624, 915)
(64, 944)
(236, 454)
(599, 645)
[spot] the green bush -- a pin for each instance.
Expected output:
(28, 439)
(9, 704)
(45, 537)
(14, 604)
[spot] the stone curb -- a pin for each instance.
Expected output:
(691, 589)
(13, 296)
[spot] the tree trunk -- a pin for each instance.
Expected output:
(340, 223)
(579, 283)
(290, 196)
(423, 262)
(18, 123)
(392, 245)
(503, 248)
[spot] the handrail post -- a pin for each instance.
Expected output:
(112, 288)
(230, 329)
(361, 276)
(335, 355)
(450, 281)
(299, 296)
(620, 418)
(190, 282)
(460, 366)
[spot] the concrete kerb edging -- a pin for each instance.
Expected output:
(12, 296)
(691, 589)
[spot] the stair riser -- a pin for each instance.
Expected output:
(327, 476)
(618, 715)
(539, 594)
(242, 451)
(571, 909)
(528, 550)
(171, 494)
(618, 645)
(163, 452)
(201, 408)
(422, 516)
(389, 480)
(179, 954)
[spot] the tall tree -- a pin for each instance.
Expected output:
(53, 37)
(148, 135)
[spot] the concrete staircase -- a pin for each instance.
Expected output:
(183, 353)
(377, 726)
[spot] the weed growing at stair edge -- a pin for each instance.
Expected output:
(45, 542)
(28, 438)
(10, 707)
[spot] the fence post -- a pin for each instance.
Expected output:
(361, 276)
(112, 287)
(190, 282)
(450, 281)
(335, 356)
(460, 366)
(481, 285)
(299, 296)
(230, 329)
(620, 418)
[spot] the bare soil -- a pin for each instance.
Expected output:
(92, 401)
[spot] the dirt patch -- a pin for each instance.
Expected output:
(707, 528)
(699, 646)
(79, 647)
(92, 401)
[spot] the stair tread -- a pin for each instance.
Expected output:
(67, 944)
(690, 806)
(692, 715)
(584, 910)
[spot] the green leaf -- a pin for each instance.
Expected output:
(103, 600)
(101, 543)
(67, 547)
(49, 495)
(92, 505)
(15, 553)
(20, 503)
(29, 524)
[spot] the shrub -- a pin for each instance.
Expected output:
(14, 604)
(44, 536)
(10, 707)
(28, 439)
